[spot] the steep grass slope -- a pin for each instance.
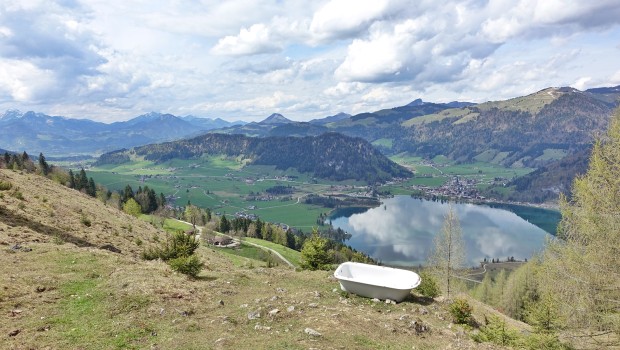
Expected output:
(60, 290)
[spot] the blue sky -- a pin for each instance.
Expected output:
(243, 60)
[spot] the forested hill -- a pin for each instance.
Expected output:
(521, 131)
(330, 156)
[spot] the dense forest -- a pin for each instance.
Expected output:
(330, 156)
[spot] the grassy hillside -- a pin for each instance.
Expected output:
(61, 289)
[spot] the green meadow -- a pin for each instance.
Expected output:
(228, 185)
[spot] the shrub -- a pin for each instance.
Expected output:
(461, 311)
(496, 331)
(428, 286)
(85, 221)
(18, 194)
(546, 341)
(314, 254)
(178, 252)
(188, 265)
(5, 186)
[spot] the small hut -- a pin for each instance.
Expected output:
(221, 241)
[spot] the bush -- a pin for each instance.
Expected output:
(428, 286)
(5, 186)
(85, 221)
(314, 253)
(178, 252)
(177, 245)
(496, 331)
(544, 341)
(461, 311)
(188, 265)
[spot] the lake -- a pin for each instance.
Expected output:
(401, 230)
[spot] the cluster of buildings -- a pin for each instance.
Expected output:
(456, 187)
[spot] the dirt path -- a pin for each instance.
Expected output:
(238, 241)
(271, 250)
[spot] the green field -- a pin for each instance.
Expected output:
(387, 143)
(289, 254)
(247, 256)
(228, 186)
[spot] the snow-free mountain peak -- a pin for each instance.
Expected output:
(276, 119)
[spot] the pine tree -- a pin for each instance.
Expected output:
(43, 166)
(582, 268)
(71, 179)
(91, 189)
(224, 224)
(314, 255)
(127, 194)
(448, 254)
(82, 180)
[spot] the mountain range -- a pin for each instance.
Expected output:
(60, 136)
(538, 130)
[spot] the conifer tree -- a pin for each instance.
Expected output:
(224, 224)
(71, 179)
(91, 189)
(82, 180)
(582, 268)
(43, 166)
(448, 254)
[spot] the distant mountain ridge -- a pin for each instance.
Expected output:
(331, 156)
(55, 135)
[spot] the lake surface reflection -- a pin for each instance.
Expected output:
(401, 231)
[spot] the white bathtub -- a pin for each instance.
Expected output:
(376, 281)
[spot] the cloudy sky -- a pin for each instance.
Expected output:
(111, 60)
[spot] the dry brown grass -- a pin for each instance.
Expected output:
(73, 295)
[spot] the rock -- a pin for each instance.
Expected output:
(335, 290)
(262, 328)
(273, 312)
(375, 300)
(389, 301)
(423, 311)
(40, 289)
(312, 332)
(290, 308)
(44, 328)
(419, 326)
(15, 312)
(403, 317)
(220, 302)
(254, 315)
(14, 332)
(313, 305)
(111, 248)
(280, 290)
(317, 294)
(274, 298)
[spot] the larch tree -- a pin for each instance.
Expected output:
(582, 267)
(448, 255)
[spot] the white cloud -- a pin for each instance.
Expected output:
(23, 81)
(242, 58)
(250, 41)
(339, 19)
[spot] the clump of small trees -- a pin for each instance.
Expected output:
(179, 252)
